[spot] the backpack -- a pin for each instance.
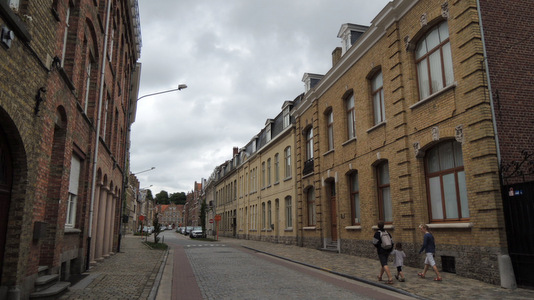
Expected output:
(386, 240)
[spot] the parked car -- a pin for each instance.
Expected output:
(162, 228)
(197, 232)
(148, 229)
(188, 230)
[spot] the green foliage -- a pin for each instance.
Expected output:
(162, 198)
(149, 195)
(178, 198)
(157, 229)
(203, 213)
(157, 246)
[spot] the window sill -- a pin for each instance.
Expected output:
(307, 175)
(443, 90)
(349, 141)
(328, 152)
(72, 230)
(383, 123)
(309, 228)
(391, 227)
(289, 229)
(354, 227)
(288, 178)
(450, 225)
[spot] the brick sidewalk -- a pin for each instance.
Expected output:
(130, 274)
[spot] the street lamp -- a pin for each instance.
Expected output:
(180, 87)
(144, 171)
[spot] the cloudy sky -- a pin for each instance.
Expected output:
(241, 59)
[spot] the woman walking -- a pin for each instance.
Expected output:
(429, 246)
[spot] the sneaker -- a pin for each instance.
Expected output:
(402, 280)
(397, 277)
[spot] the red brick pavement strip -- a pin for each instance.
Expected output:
(130, 274)
(364, 269)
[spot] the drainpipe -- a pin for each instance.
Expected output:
(97, 140)
(506, 269)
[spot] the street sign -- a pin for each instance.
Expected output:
(217, 218)
(211, 220)
(141, 218)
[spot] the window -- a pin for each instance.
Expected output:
(277, 168)
(74, 180)
(287, 159)
(310, 201)
(87, 85)
(434, 61)
(287, 120)
(309, 144)
(64, 51)
(263, 215)
(268, 132)
(351, 117)
(289, 213)
(378, 99)
(269, 172)
(445, 177)
(263, 175)
(355, 198)
(330, 129)
(385, 209)
(269, 215)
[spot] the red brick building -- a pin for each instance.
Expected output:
(69, 73)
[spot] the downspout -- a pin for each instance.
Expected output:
(506, 269)
(97, 141)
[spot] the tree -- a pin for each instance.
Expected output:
(178, 198)
(157, 229)
(162, 197)
(203, 212)
(149, 195)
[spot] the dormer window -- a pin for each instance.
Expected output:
(285, 113)
(268, 130)
(349, 34)
(311, 80)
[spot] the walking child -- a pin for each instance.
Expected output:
(399, 256)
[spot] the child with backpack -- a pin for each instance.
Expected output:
(383, 242)
(399, 256)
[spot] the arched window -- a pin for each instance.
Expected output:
(310, 201)
(385, 207)
(351, 117)
(379, 109)
(289, 212)
(434, 61)
(330, 129)
(445, 178)
(355, 198)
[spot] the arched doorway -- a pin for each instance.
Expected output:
(6, 177)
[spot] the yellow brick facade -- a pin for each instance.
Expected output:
(459, 112)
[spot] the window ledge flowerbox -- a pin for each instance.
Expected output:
(443, 90)
(309, 228)
(450, 225)
(354, 227)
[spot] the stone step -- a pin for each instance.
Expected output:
(45, 281)
(52, 292)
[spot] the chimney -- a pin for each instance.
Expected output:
(336, 55)
(236, 151)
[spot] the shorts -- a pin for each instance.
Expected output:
(429, 260)
(399, 269)
(383, 259)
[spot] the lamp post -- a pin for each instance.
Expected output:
(126, 153)
(180, 87)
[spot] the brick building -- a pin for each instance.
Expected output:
(68, 74)
(402, 128)
(424, 118)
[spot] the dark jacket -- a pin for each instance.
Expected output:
(377, 241)
(429, 245)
